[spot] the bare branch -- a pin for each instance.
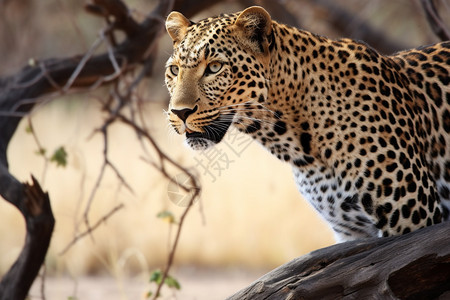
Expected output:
(177, 238)
(90, 229)
(41, 150)
(193, 191)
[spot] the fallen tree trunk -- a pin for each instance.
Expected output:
(411, 266)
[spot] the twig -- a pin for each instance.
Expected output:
(59, 91)
(92, 195)
(117, 70)
(195, 189)
(83, 61)
(106, 163)
(40, 151)
(104, 128)
(92, 228)
(48, 76)
(175, 243)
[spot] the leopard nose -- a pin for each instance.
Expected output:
(184, 113)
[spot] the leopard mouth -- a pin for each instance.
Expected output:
(213, 132)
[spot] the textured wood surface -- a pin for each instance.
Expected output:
(412, 266)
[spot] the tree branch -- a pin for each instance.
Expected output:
(36, 209)
(411, 266)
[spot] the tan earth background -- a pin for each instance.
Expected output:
(249, 219)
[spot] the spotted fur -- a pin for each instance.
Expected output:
(367, 135)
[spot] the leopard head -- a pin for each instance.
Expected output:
(217, 74)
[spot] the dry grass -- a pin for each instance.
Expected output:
(251, 216)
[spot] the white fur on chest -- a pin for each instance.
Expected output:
(326, 194)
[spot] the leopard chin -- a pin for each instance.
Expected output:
(199, 144)
(211, 135)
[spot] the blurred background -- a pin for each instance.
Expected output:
(249, 219)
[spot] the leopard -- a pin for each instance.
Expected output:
(366, 134)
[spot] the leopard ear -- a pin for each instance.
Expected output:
(255, 25)
(176, 26)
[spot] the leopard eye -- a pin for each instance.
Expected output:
(213, 68)
(174, 70)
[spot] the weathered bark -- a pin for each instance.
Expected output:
(411, 266)
(35, 207)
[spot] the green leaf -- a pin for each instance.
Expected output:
(166, 216)
(156, 276)
(59, 157)
(172, 282)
